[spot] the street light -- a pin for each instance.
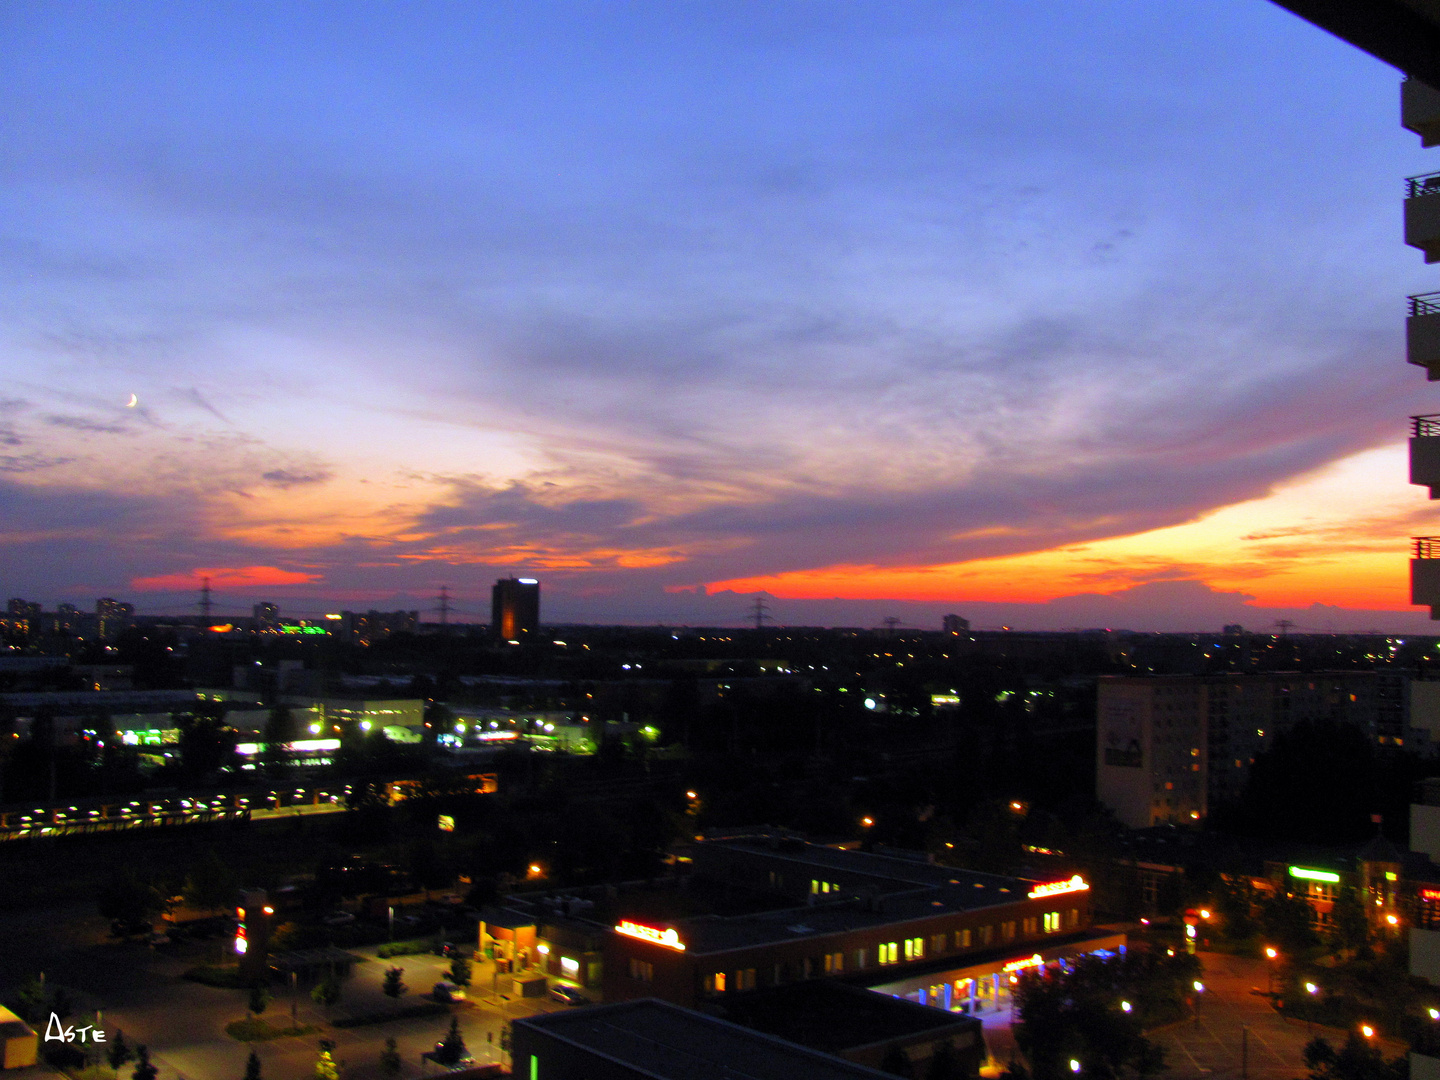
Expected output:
(1367, 1031)
(1074, 1065)
(1125, 1006)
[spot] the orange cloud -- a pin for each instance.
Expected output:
(224, 577)
(1339, 536)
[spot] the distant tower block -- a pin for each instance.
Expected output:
(954, 624)
(515, 608)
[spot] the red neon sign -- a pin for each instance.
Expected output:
(667, 937)
(1054, 888)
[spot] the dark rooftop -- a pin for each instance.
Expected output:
(671, 1043)
(833, 1017)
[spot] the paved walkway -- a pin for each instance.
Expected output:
(1237, 1033)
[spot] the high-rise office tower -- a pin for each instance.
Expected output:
(515, 608)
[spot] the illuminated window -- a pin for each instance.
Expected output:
(914, 948)
(1007, 930)
(962, 939)
(987, 934)
(834, 963)
(1052, 921)
(889, 952)
(719, 982)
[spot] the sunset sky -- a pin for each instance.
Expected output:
(1046, 314)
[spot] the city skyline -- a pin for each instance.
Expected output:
(1026, 315)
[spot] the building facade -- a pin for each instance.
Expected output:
(515, 608)
(1168, 747)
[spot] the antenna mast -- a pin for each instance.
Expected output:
(205, 603)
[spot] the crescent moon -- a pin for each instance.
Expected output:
(132, 402)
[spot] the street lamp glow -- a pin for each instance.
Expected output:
(1199, 987)
(1074, 1065)
(1393, 920)
(1311, 988)
(1270, 952)
(867, 821)
(1367, 1031)
(1125, 1006)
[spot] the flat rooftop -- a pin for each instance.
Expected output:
(670, 1043)
(833, 1017)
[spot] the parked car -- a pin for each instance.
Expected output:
(451, 948)
(447, 991)
(567, 995)
(338, 918)
(158, 938)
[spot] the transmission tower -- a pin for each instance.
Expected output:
(205, 604)
(891, 622)
(444, 607)
(760, 611)
(1285, 625)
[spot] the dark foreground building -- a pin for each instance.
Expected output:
(654, 1040)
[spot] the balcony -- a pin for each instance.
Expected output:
(1422, 214)
(1420, 111)
(1425, 452)
(1425, 574)
(1422, 333)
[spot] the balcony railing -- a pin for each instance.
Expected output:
(1425, 303)
(1427, 547)
(1425, 427)
(1429, 184)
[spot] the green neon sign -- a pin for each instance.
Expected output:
(1314, 875)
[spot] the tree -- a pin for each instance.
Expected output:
(1285, 920)
(143, 1069)
(390, 1058)
(326, 992)
(210, 885)
(124, 897)
(1356, 1060)
(259, 998)
(394, 985)
(119, 1052)
(1349, 927)
(460, 971)
(252, 1066)
(451, 1050)
(325, 1067)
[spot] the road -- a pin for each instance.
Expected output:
(143, 993)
